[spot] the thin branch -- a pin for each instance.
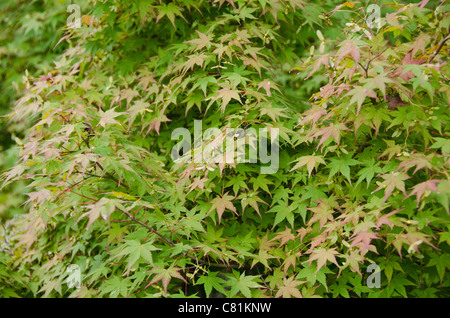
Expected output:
(439, 48)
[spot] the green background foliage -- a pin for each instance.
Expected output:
(362, 115)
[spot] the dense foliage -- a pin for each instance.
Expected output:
(361, 108)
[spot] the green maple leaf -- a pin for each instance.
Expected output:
(135, 250)
(312, 274)
(211, 281)
(251, 199)
(261, 182)
(283, 212)
(170, 11)
(242, 283)
(342, 165)
(368, 172)
(442, 262)
(237, 182)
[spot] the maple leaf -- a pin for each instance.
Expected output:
(108, 117)
(266, 84)
(309, 161)
(322, 255)
(16, 171)
(135, 250)
(379, 82)
(322, 213)
(420, 188)
(333, 130)
(284, 237)
(359, 94)
(322, 60)
(192, 61)
(103, 207)
(302, 233)
(313, 114)
(352, 259)
(202, 41)
(384, 219)
(251, 199)
(392, 181)
(170, 11)
(229, 1)
(342, 165)
(291, 260)
(349, 47)
(242, 283)
(226, 94)
(273, 112)
(289, 288)
(211, 281)
(419, 160)
(165, 276)
(363, 239)
(221, 203)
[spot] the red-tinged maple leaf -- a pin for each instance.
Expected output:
(229, 1)
(38, 196)
(323, 60)
(391, 182)
(313, 114)
(226, 95)
(284, 237)
(302, 232)
(349, 47)
(334, 131)
(420, 161)
(221, 203)
(322, 213)
(202, 41)
(394, 101)
(413, 239)
(289, 288)
(104, 207)
(266, 85)
(322, 255)
(407, 60)
(384, 219)
(420, 188)
(192, 61)
(291, 260)
(352, 259)
(363, 239)
(198, 183)
(108, 117)
(165, 275)
(310, 161)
